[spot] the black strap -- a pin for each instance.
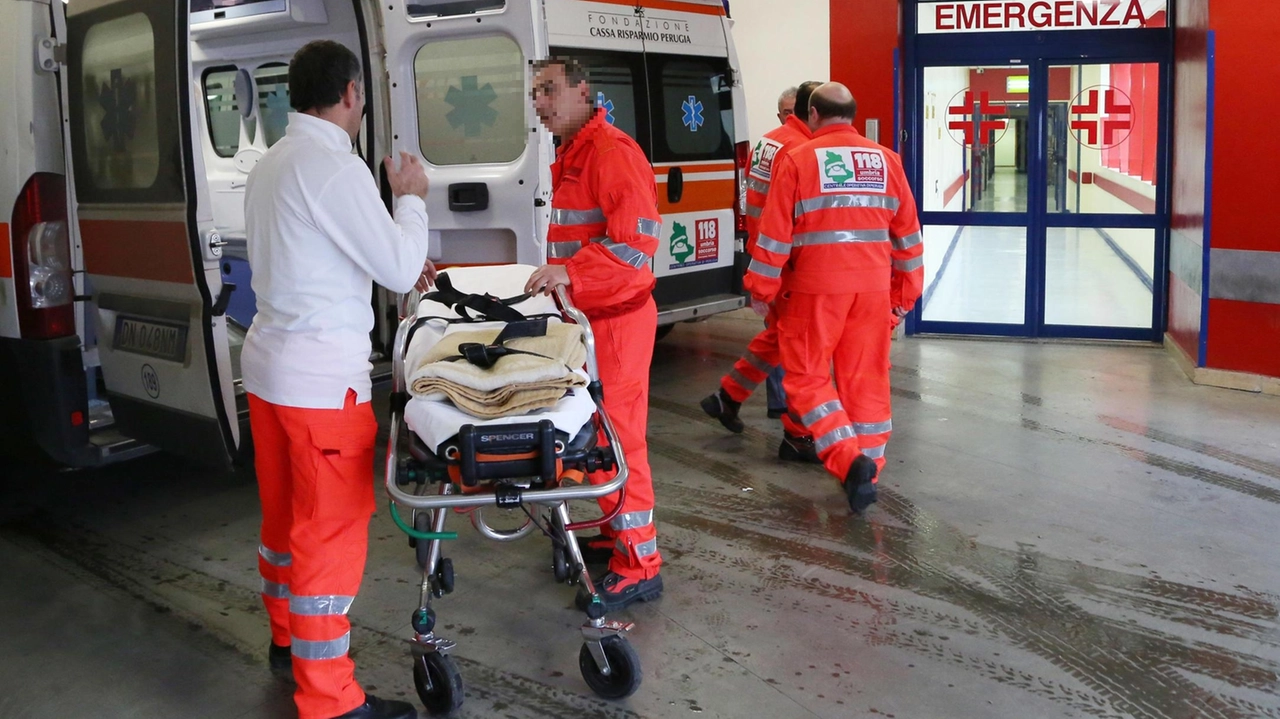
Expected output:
(486, 306)
(486, 356)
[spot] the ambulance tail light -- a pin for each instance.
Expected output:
(742, 155)
(42, 259)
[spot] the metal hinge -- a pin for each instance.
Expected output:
(50, 54)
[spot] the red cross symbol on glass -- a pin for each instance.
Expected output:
(1119, 117)
(965, 110)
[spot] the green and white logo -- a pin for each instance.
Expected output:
(681, 248)
(835, 169)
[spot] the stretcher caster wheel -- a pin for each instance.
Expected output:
(439, 683)
(560, 563)
(442, 580)
(624, 674)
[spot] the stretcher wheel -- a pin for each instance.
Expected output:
(444, 577)
(624, 669)
(662, 332)
(443, 693)
(560, 563)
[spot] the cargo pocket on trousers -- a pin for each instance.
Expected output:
(344, 471)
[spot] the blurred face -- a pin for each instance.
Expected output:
(786, 109)
(352, 106)
(563, 108)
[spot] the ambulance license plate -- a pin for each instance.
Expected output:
(165, 340)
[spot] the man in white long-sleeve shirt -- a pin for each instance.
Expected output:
(319, 235)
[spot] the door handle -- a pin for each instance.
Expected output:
(224, 298)
(675, 185)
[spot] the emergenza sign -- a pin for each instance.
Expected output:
(1024, 15)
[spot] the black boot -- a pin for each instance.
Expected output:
(619, 592)
(798, 449)
(723, 408)
(596, 550)
(375, 708)
(858, 484)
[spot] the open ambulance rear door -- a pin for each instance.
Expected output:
(459, 98)
(149, 249)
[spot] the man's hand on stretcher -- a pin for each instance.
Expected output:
(545, 279)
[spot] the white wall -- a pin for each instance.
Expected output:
(780, 45)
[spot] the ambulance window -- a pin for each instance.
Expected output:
(222, 110)
(121, 136)
(613, 81)
(695, 104)
(471, 100)
(446, 8)
(272, 80)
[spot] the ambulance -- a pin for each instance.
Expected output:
(130, 127)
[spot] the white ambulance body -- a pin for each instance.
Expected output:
(164, 111)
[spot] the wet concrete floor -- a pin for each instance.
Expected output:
(1063, 531)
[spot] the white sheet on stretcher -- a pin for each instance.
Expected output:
(436, 421)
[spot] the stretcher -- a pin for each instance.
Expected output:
(441, 460)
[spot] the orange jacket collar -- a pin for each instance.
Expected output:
(833, 129)
(799, 125)
(598, 121)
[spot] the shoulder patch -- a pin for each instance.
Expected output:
(852, 169)
(763, 159)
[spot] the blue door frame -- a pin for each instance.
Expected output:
(1038, 51)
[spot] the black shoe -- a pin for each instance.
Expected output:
(619, 592)
(375, 708)
(798, 449)
(858, 486)
(596, 550)
(776, 413)
(720, 406)
(280, 659)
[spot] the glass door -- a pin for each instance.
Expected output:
(1039, 195)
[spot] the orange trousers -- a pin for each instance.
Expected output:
(754, 367)
(624, 352)
(315, 480)
(850, 335)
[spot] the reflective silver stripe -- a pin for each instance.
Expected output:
(646, 549)
(822, 410)
(577, 217)
(745, 383)
(627, 253)
(914, 263)
(632, 520)
(649, 228)
(275, 559)
(278, 591)
(325, 605)
(832, 202)
(761, 268)
(765, 242)
(758, 363)
(906, 243)
(840, 237)
(874, 452)
(829, 440)
(331, 649)
(753, 211)
(563, 250)
(873, 427)
(757, 185)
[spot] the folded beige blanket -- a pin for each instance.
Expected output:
(515, 384)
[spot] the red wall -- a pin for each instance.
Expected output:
(864, 34)
(1244, 336)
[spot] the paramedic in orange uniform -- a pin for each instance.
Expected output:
(762, 360)
(840, 245)
(318, 237)
(604, 232)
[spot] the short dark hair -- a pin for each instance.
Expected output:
(319, 74)
(828, 109)
(803, 93)
(575, 73)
